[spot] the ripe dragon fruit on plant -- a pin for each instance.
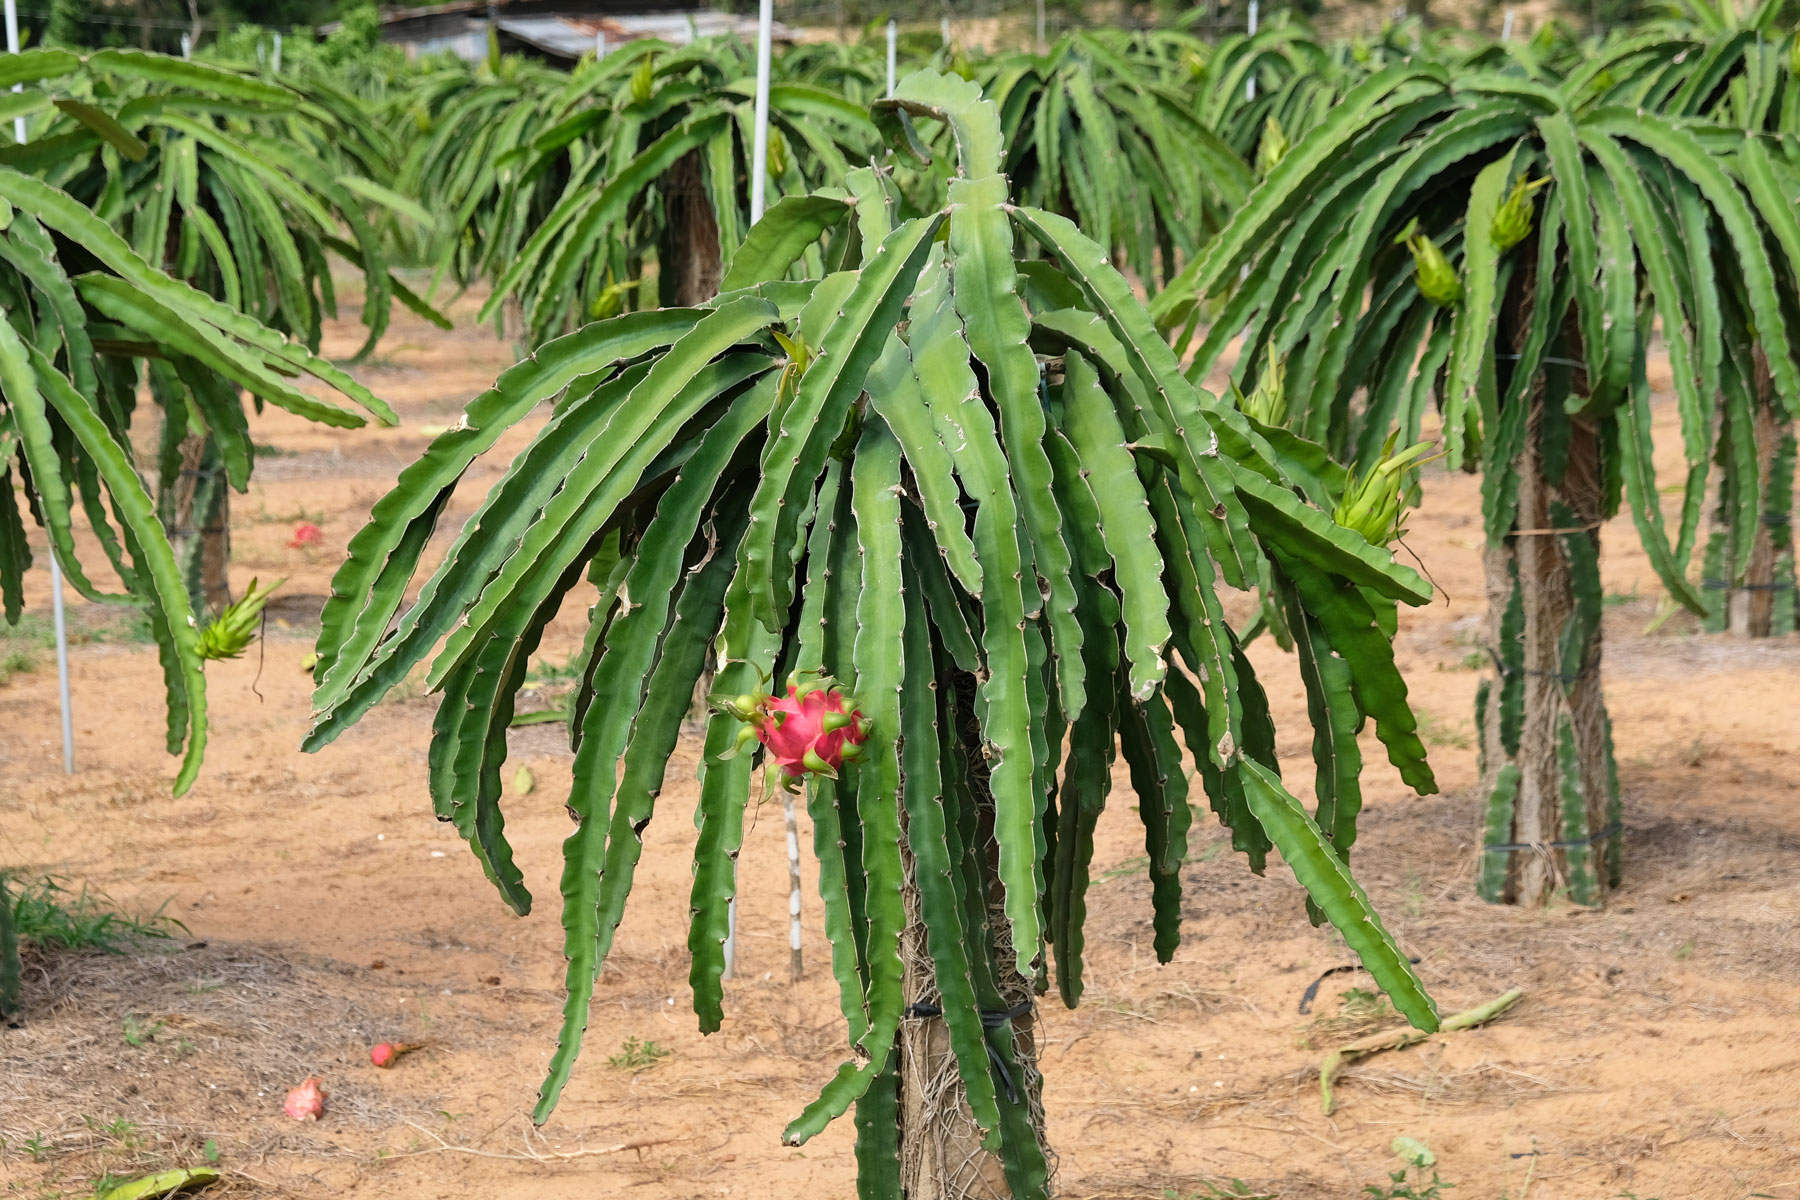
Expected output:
(813, 730)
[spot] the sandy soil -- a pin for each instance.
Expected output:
(1653, 1054)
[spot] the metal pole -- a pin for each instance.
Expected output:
(187, 45)
(278, 54)
(893, 42)
(599, 45)
(796, 966)
(1250, 83)
(944, 29)
(1506, 27)
(12, 47)
(759, 180)
(62, 664)
(759, 155)
(56, 575)
(1041, 44)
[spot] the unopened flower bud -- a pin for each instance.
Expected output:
(1438, 280)
(1512, 220)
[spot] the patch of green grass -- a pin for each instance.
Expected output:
(1359, 1011)
(48, 914)
(138, 1031)
(1236, 1190)
(1437, 732)
(125, 1134)
(22, 646)
(1361, 1004)
(1415, 896)
(32, 632)
(375, 362)
(1408, 1183)
(635, 1055)
(545, 671)
(36, 1145)
(1399, 1187)
(410, 688)
(1137, 866)
(300, 515)
(1131, 866)
(16, 660)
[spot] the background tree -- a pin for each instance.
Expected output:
(210, 177)
(1504, 250)
(87, 317)
(584, 179)
(1706, 60)
(1102, 129)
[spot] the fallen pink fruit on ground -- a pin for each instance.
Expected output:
(306, 1102)
(386, 1053)
(306, 534)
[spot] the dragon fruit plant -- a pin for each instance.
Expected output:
(1513, 257)
(961, 473)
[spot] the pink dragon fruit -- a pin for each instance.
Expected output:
(388, 1053)
(306, 1102)
(813, 730)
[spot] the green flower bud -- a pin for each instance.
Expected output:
(777, 161)
(611, 300)
(1272, 148)
(643, 80)
(232, 632)
(1512, 220)
(1438, 280)
(1374, 504)
(1268, 403)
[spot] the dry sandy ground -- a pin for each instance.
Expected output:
(1653, 1054)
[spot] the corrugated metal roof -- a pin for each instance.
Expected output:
(572, 36)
